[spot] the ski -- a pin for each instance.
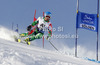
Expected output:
(20, 40)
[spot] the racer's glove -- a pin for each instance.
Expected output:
(29, 27)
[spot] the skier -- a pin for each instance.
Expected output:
(37, 28)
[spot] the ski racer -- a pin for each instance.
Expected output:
(37, 28)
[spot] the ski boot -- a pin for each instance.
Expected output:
(16, 39)
(27, 41)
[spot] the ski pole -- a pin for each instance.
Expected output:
(52, 45)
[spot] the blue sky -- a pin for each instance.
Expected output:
(63, 14)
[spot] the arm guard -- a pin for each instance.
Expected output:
(50, 30)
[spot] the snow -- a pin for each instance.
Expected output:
(13, 53)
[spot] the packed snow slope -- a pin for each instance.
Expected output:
(13, 53)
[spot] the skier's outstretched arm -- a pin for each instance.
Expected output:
(34, 23)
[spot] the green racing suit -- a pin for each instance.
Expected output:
(38, 33)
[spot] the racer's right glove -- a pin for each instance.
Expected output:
(29, 27)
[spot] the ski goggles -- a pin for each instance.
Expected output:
(48, 16)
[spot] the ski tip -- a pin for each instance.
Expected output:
(28, 43)
(19, 40)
